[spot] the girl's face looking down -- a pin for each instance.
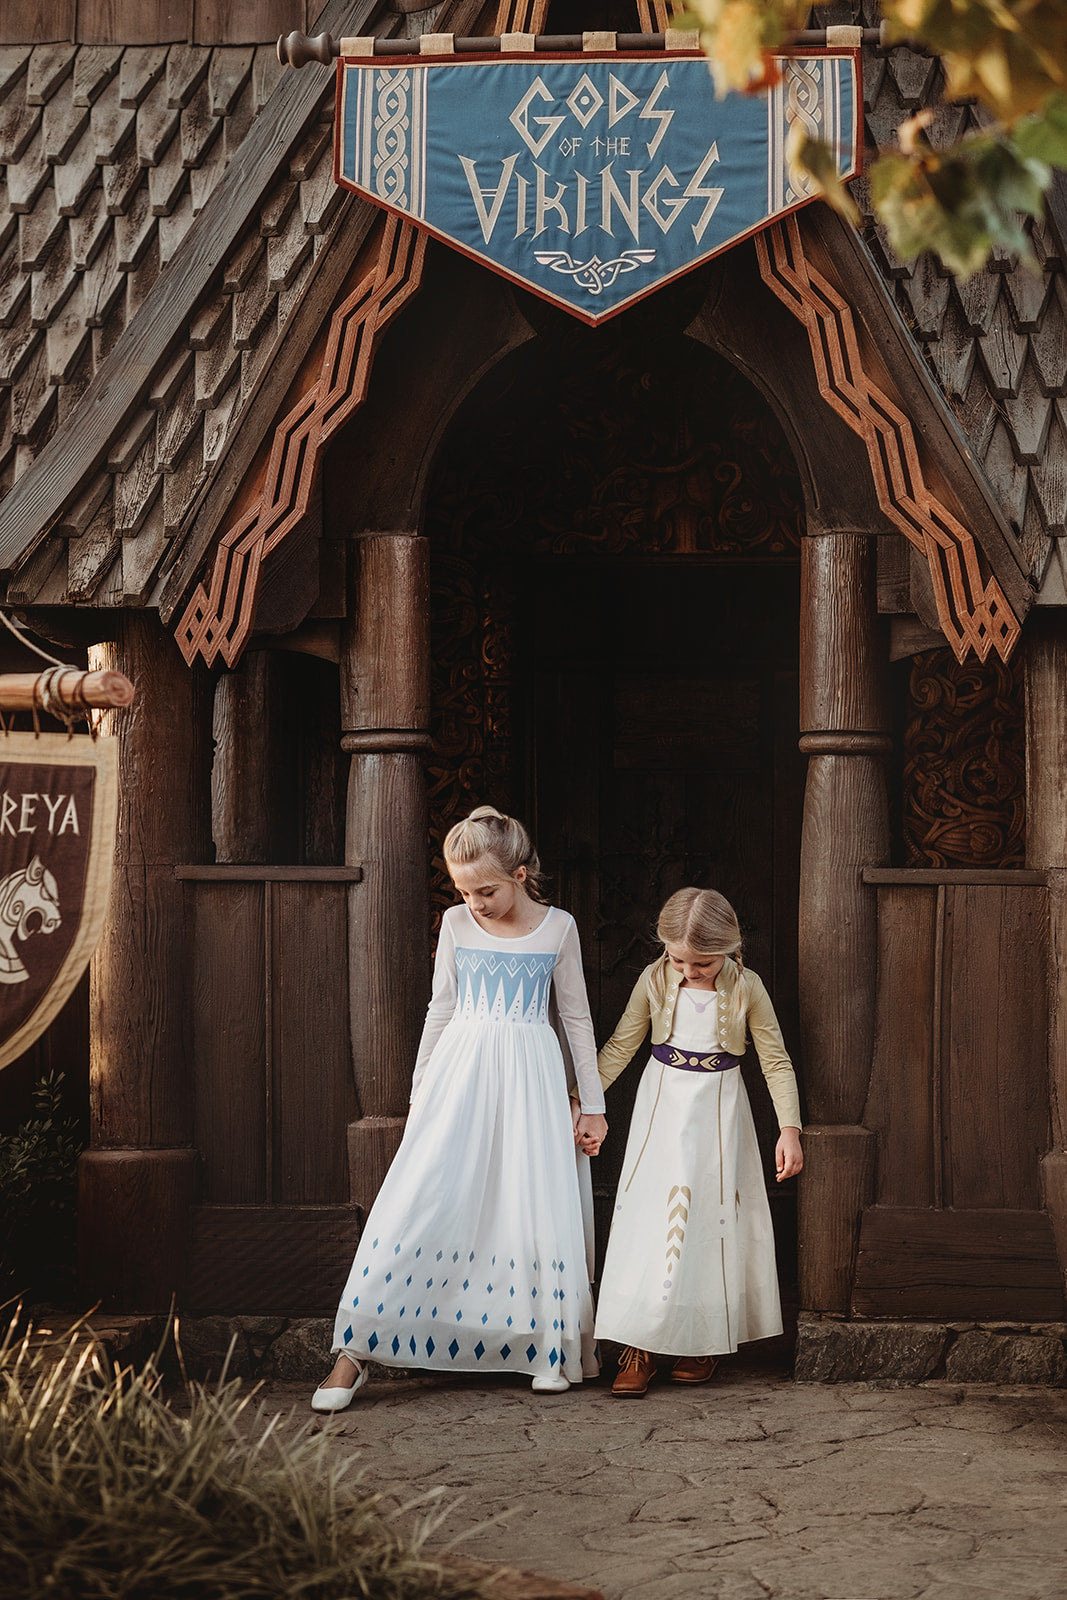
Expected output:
(698, 972)
(488, 892)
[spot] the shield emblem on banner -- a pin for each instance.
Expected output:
(58, 804)
(591, 180)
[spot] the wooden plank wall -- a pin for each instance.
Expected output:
(141, 22)
(273, 1086)
(959, 1101)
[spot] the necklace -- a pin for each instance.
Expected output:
(696, 1004)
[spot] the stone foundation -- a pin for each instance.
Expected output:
(828, 1349)
(831, 1350)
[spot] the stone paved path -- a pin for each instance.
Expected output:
(753, 1487)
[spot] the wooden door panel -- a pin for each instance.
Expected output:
(923, 1263)
(900, 1102)
(228, 1020)
(995, 1113)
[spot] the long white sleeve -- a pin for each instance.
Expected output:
(572, 1003)
(443, 997)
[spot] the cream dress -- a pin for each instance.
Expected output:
(690, 1268)
(476, 1255)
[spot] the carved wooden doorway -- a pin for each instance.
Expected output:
(615, 526)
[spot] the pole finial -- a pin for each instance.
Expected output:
(297, 49)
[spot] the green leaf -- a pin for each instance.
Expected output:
(818, 162)
(1044, 137)
(959, 202)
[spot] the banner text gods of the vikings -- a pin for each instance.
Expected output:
(591, 182)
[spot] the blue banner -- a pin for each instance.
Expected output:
(590, 181)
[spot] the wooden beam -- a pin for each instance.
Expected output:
(70, 689)
(1009, 876)
(73, 454)
(385, 714)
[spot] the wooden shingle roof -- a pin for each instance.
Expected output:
(163, 212)
(996, 344)
(111, 158)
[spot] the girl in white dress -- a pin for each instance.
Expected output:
(476, 1255)
(690, 1269)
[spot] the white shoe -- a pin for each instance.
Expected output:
(334, 1399)
(557, 1384)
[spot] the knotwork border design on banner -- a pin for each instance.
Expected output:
(218, 621)
(974, 615)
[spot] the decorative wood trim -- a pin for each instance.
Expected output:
(521, 16)
(654, 16)
(895, 876)
(219, 621)
(972, 617)
(257, 874)
(833, 742)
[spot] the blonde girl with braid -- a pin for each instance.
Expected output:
(477, 1253)
(690, 1270)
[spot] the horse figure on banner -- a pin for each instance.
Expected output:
(30, 892)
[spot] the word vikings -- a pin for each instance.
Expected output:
(542, 201)
(19, 813)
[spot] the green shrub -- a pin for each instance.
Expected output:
(38, 1186)
(108, 1492)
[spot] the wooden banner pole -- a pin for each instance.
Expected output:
(66, 689)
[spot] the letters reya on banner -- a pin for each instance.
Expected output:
(58, 803)
(590, 181)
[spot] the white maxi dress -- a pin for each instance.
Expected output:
(690, 1267)
(477, 1253)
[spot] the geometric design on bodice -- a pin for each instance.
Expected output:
(503, 988)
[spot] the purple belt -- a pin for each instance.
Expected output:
(689, 1061)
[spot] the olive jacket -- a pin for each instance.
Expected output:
(758, 1022)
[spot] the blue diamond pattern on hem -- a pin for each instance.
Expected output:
(396, 1344)
(430, 1347)
(453, 1349)
(479, 1349)
(348, 1336)
(531, 1351)
(505, 1350)
(553, 1357)
(411, 1343)
(372, 1342)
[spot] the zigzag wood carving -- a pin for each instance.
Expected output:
(218, 621)
(972, 617)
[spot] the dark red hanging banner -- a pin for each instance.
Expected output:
(58, 804)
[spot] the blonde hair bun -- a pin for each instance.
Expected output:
(488, 832)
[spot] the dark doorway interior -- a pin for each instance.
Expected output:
(660, 723)
(615, 525)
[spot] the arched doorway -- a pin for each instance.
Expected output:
(614, 522)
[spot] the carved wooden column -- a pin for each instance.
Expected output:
(844, 721)
(1045, 643)
(385, 715)
(138, 1180)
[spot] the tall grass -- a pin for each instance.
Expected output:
(107, 1492)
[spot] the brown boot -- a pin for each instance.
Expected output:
(693, 1369)
(637, 1368)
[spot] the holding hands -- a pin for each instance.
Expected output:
(590, 1129)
